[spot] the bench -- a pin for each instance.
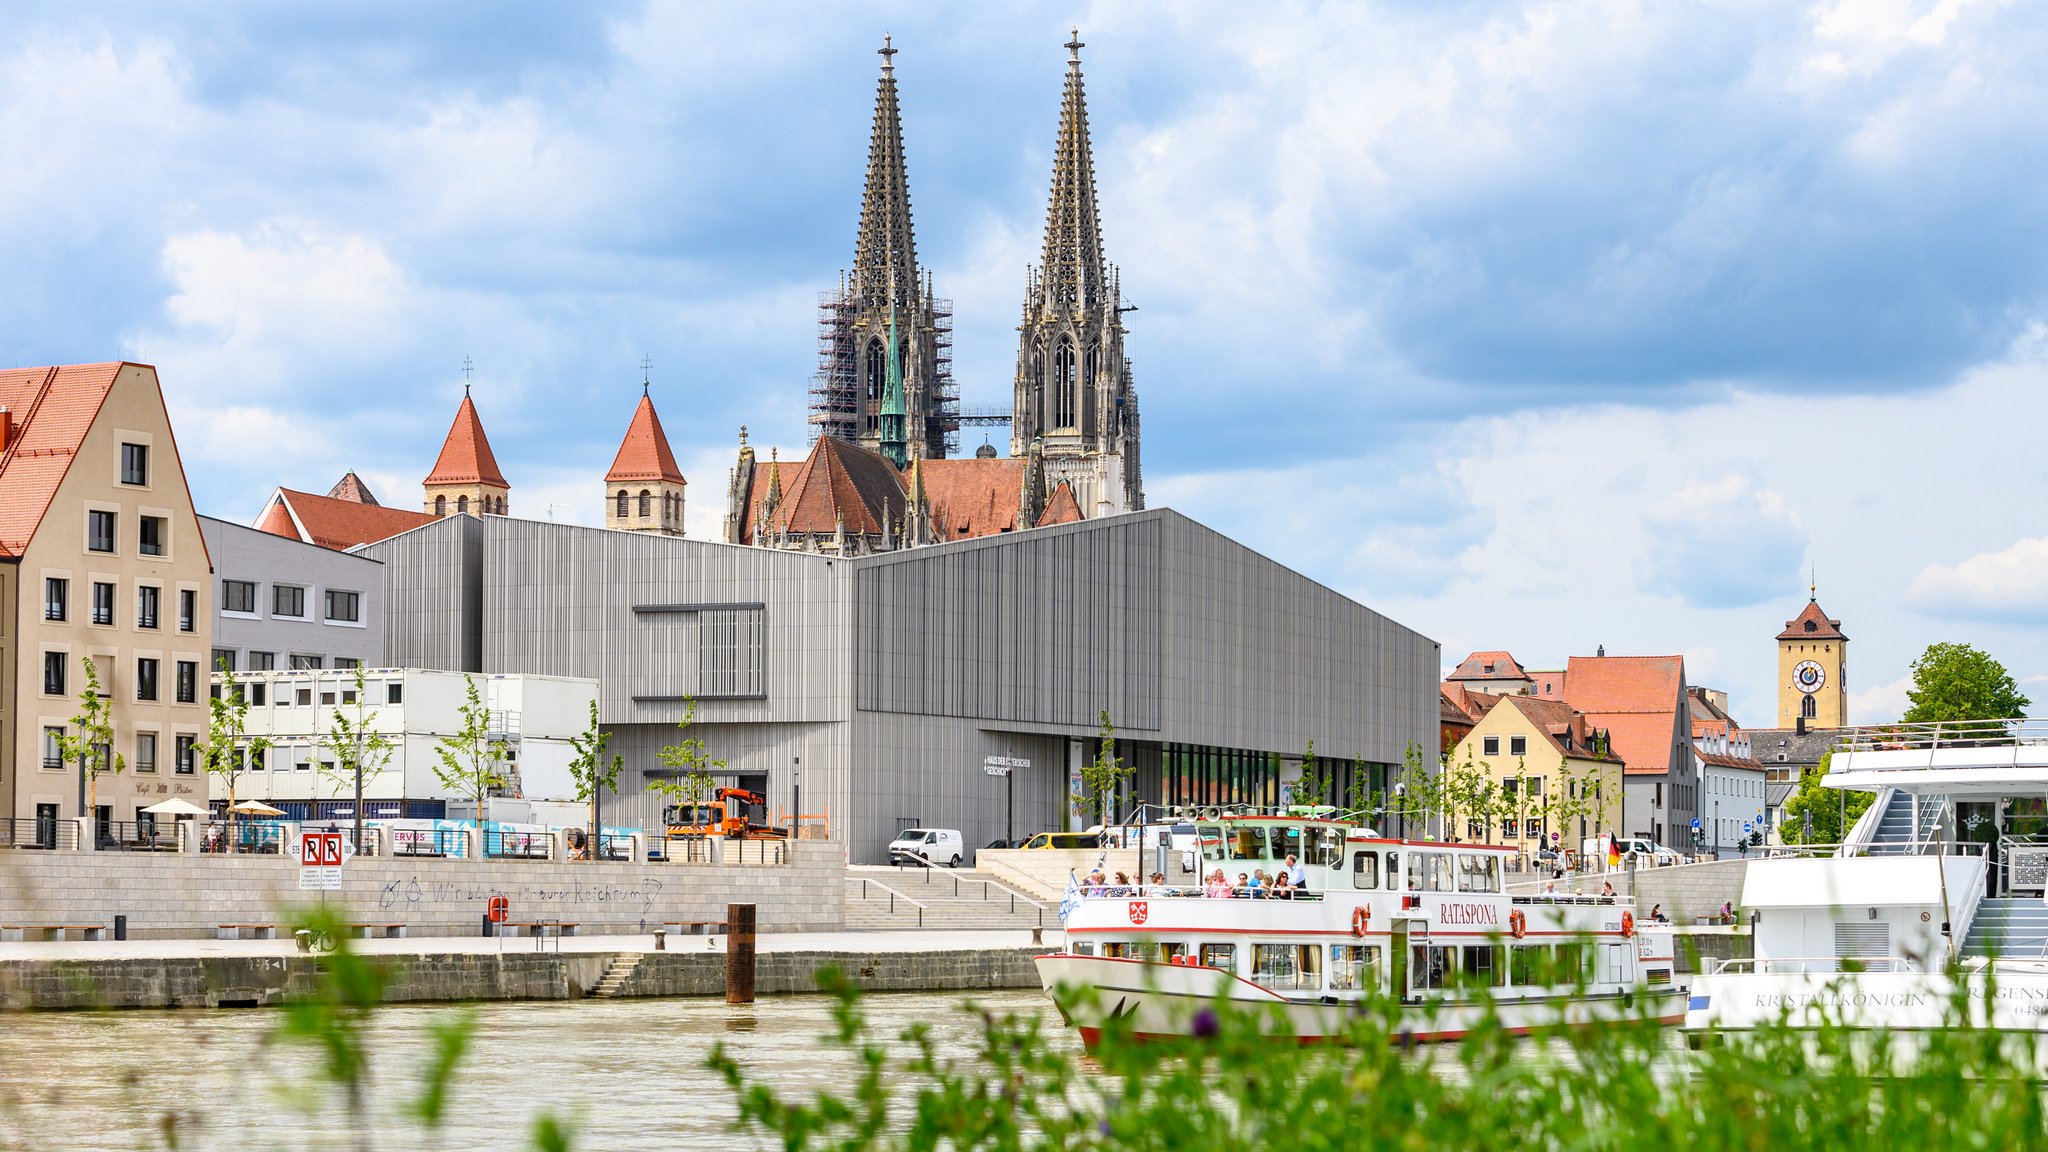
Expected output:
(234, 931)
(368, 931)
(541, 927)
(53, 931)
(695, 927)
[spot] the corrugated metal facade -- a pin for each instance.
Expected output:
(890, 678)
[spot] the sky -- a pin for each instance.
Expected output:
(1535, 326)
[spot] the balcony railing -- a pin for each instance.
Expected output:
(1943, 734)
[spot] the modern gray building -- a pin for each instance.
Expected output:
(280, 603)
(882, 685)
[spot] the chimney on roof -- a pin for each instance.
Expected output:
(6, 427)
(1600, 651)
(1799, 726)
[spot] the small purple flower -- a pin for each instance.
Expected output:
(1205, 1024)
(1103, 1126)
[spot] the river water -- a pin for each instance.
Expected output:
(626, 1074)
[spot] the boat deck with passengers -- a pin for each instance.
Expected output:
(1428, 924)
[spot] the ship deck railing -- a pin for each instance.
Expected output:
(1809, 965)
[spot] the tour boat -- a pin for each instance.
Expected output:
(1428, 924)
(1933, 900)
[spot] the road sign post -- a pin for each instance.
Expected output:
(321, 855)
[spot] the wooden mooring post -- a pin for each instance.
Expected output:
(739, 953)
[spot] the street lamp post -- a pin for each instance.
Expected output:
(796, 798)
(1401, 811)
(1717, 829)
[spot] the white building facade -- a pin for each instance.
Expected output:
(533, 718)
(1733, 796)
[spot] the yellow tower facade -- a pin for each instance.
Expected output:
(1813, 671)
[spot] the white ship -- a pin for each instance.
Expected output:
(1430, 924)
(1933, 901)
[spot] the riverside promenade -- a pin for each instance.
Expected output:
(87, 975)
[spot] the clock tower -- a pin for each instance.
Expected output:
(1813, 663)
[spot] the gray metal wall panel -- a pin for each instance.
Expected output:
(242, 553)
(433, 595)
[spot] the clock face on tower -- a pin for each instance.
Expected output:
(1809, 677)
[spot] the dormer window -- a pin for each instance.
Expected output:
(1489, 669)
(1812, 627)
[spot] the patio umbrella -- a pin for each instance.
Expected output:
(175, 806)
(256, 808)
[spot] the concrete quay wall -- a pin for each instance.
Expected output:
(173, 896)
(258, 981)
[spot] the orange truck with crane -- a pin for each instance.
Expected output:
(729, 814)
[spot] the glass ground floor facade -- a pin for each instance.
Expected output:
(1196, 775)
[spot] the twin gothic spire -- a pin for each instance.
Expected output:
(885, 254)
(1072, 266)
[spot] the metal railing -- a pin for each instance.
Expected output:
(428, 841)
(1943, 734)
(698, 850)
(613, 846)
(930, 874)
(35, 832)
(1822, 965)
(251, 837)
(501, 844)
(137, 836)
(865, 883)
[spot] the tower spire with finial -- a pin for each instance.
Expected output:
(646, 373)
(467, 368)
(1813, 585)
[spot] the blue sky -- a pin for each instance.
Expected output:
(1537, 326)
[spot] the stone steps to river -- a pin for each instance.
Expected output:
(953, 899)
(616, 975)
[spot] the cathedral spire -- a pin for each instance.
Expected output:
(1072, 269)
(885, 255)
(895, 437)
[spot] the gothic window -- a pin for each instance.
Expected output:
(646, 503)
(621, 513)
(461, 504)
(1037, 389)
(1063, 384)
(1807, 708)
(877, 372)
(440, 505)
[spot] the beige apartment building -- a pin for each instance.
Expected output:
(101, 557)
(1560, 780)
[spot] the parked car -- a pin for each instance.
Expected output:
(1064, 840)
(928, 846)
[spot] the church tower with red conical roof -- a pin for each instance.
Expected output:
(644, 489)
(465, 476)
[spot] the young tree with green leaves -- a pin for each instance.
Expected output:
(1956, 682)
(1101, 778)
(470, 761)
(227, 753)
(593, 772)
(692, 783)
(1312, 787)
(359, 749)
(1817, 815)
(90, 740)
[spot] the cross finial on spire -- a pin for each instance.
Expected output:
(1074, 47)
(467, 368)
(743, 435)
(886, 51)
(1813, 585)
(646, 370)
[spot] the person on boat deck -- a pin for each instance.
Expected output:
(1281, 889)
(1258, 888)
(1657, 914)
(1297, 876)
(1219, 885)
(1122, 886)
(1607, 888)
(1159, 884)
(1096, 885)
(1243, 888)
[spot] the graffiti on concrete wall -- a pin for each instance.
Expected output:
(576, 893)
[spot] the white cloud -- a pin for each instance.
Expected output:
(1722, 543)
(1882, 704)
(2010, 584)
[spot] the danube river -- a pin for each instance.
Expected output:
(627, 1074)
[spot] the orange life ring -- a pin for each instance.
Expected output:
(1361, 919)
(1628, 924)
(1518, 924)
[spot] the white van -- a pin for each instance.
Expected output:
(927, 846)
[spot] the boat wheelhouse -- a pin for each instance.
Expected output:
(1935, 894)
(1429, 924)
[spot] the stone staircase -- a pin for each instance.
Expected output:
(952, 900)
(2010, 927)
(616, 975)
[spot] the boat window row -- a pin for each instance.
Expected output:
(1352, 967)
(1428, 871)
(1523, 966)
(1316, 846)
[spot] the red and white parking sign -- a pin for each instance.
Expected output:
(321, 855)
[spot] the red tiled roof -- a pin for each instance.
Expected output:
(1636, 698)
(351, 487)
(1721, 760)
(792, 472)
(1489, 666)
(973, 497)
(644, 453)
(1061, 508)
(466, 454)
(843, 481)
(332, 523)
(1472, 705)
(1812, 624)
(1554, 718)
(51, 409)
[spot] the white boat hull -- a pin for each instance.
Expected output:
(2013, 1000)
(1163, 1000)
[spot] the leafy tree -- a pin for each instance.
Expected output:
(359, 749)
(1101, 778)
(90, 739)
(593, 773)
(1957, 682)
(226, 753)
(1831, 811)
(1315, 782)
(469, 758)
(1419, 792)
(692, 783)
(1362, 800)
